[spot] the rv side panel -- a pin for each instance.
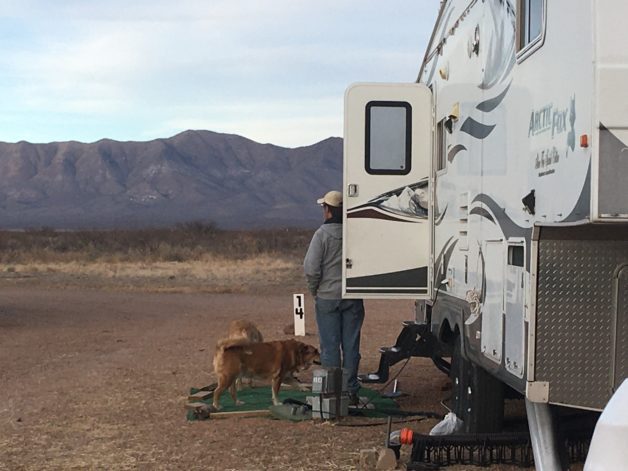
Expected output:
(611, 59)
(577, 329)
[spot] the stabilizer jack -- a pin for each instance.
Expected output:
(414, 340)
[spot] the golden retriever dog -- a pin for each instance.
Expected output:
(242, 329)
(275, 361)
(245, 330)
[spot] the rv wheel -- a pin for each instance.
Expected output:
(478, 397)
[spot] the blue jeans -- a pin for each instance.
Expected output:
(339, 323)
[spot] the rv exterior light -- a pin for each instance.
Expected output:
(584, 141)
(455, 112)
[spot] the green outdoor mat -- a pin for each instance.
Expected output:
(261, 398)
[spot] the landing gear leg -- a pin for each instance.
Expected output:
(542, 436)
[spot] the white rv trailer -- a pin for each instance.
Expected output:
(496, 189)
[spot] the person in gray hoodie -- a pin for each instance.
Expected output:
(339, 320)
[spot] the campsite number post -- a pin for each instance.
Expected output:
(299, 314)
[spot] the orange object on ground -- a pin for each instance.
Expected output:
(405, 436)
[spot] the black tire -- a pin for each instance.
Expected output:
(478, 397)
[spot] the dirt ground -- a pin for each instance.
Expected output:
(98, 378)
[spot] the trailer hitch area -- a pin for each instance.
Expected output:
(414, 340)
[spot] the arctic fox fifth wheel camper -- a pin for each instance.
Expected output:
(494, 189)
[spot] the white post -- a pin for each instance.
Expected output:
(299, 314)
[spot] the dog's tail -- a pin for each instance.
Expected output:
(228, 345)
(232, 344)
(240, 347)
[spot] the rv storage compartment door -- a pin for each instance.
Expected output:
(387, 156)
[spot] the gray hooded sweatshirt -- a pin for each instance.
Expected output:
(323, 262)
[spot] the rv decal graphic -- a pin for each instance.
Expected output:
(476, 129)
(438, 218)
(571, 137)
(442, 262)
(500, 51)
(454, 151)
(405, 204)
(497, 40)
(547, 119)
(499, 58)
(396, 282)
(583, 206)
(479, 211)
(483, 262)
(508, 227)
(540, 121)
(374, 213)
(553, 122)
(553, 119)
(492, 103)
(474, 297)
(545, 159)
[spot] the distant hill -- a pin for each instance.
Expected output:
(193, 176)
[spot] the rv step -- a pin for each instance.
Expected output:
(414, 340)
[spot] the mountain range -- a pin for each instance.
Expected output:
(224, 179)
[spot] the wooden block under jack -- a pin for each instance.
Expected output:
(297, 386)
(205, 411)
(200, 396)
(242, 413)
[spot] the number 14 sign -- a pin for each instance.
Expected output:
(299, 314)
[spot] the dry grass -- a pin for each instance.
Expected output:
(182, 243)
(217, 275)
(207, 270)
(187, 258)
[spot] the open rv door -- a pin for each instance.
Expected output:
(387, 225)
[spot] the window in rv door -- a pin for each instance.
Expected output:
(516, 255)
(530, 14)
(388, 137)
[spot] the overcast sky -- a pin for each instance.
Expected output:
(274, 71)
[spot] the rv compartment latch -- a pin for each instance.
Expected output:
(352, 191)
(348, 263)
